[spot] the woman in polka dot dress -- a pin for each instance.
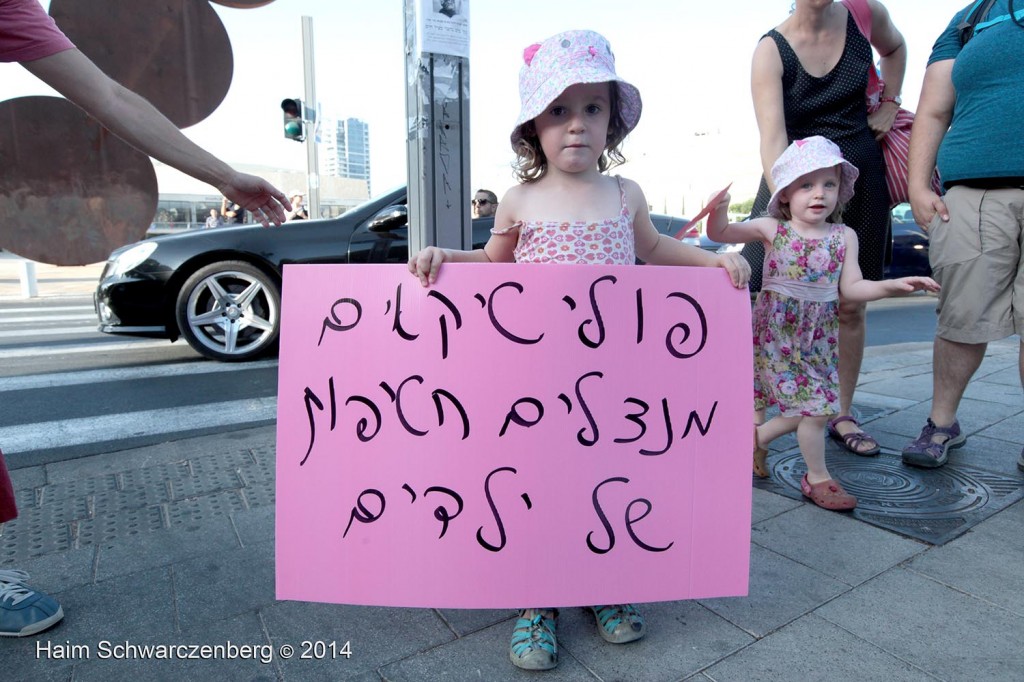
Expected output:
(808, 78)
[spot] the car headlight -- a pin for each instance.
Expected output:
(132, 258)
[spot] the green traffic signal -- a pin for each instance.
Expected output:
(293, 123)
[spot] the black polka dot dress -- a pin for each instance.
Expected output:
(833, 106)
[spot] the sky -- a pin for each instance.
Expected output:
(689, 59)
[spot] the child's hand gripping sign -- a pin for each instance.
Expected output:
(513, 435)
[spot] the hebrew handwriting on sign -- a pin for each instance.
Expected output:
(434, 444)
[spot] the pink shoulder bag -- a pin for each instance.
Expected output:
(896, 143)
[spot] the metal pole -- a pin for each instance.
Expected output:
(437, 110)
(29, 285)
(309, 115)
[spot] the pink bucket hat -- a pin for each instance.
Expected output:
(805, 156)
(569, 58)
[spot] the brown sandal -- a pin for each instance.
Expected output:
(760, 458)
(828, 494)
(854, 440)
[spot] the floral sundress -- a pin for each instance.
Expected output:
(796, 324)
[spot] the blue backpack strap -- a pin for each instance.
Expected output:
(977, 13)
(1019, 14)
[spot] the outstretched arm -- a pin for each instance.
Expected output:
(141, 125)
(724, 232)
(853, 286)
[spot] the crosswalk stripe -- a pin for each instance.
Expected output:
(102, 428)
(100, 346)
(43, 331)
(98, 376)
(83, 309)
(85, 317)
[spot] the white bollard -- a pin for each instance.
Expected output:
(29, 286)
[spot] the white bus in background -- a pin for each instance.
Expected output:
(183, 212)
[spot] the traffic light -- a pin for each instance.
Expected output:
(293, 125)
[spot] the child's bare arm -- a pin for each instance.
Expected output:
(854, 287)
(499, 249)
(724, 232)
(658, 249)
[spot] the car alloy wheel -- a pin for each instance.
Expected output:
(230, 311)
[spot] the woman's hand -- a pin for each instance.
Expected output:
(426, 264)
(267, 203)
(881, 121)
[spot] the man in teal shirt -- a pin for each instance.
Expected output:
(968, 123)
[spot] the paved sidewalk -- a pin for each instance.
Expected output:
(174, 543)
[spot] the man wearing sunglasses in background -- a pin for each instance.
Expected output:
(485, 203)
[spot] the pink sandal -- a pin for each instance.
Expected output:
(828, 494)
(852, 441)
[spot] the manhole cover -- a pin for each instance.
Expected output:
(933, 505)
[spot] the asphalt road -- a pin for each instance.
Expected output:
(901, 320)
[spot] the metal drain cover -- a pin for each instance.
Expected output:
(933, 505)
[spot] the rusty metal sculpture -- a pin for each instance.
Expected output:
(70, 192)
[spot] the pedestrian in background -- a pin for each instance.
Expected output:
(233, 213)
(28, 35)
(213, 220)
(575, 114)
(297, 209)
(968, 123)
(485, 203)
(809, 77)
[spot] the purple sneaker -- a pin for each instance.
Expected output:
(926, 453)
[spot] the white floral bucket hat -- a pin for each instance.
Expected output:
(566, 59)
(803, 157)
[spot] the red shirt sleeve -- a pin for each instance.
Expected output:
(28, 33)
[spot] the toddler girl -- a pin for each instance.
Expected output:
(575, 113)
(810, 260)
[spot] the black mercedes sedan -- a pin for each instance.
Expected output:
(220, 289)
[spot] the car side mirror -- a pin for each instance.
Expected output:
(388, 219)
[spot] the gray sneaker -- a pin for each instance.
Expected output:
(924, 452)
(24, 611)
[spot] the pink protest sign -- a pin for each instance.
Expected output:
(514, 435)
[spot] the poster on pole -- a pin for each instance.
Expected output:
(443, 27)
(446, 446)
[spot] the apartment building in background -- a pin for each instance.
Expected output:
(345, 149)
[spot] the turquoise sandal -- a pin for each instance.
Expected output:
(619, 623)
(534, 646)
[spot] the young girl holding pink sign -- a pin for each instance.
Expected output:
(810, 260)
(575, 113)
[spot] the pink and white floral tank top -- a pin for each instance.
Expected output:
(605, 241)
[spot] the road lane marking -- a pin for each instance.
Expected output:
(106, 428)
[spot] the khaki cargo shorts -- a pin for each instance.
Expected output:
(976, 257)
